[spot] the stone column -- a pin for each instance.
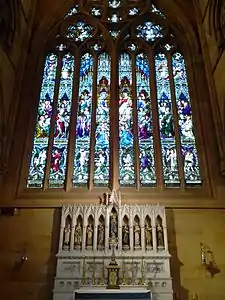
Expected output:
(165, 237)
(61, 237)
(131, 234)
(95, 240)
(143, 238)
(84, 237)
(120, 227)
(61, 232)
(107, 218)
(154, 238)
(72, 233)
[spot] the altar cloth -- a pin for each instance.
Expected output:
(113, 294)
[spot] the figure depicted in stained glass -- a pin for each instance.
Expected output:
(149, 31)
(145, 130)
(166, 122)
(126, 121)
(63, 118)
(83, 120)
(83, 126)
(187, 138)
(80, 31)
(62, 122)
(101, 173)
(42, 131)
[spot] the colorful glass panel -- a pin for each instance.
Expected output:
(126, 139)
(42, 131)
(166, 122)
(62, 123)
(187, 137)
(149, 31)
(83, 127)
(157, 11)
(73, 11)
(145, 130)
(80, 31)
(101, 170)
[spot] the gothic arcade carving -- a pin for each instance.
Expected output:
(133, 236)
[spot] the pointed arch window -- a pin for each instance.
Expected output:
(122, 94)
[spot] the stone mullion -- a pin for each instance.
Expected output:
(135, 123)
(114, 130)
(176, 123)
(53, 119)
(93, 125)
(155, 122)
(73, 122)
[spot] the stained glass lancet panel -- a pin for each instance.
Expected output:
(42, 130)
(166, 122)
(126, 139)
(83, 126)
(145, 130)
(101, 160)
(62, 123)
(187, 137)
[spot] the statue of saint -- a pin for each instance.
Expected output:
(137, 231)
(78, 235)
(113, 225)
(159, 233)
(67, 233)
(101, 235)
(148, 235)
(125, 235)
(89, 234)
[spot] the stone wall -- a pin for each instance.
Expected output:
(17, 18)
(212, 42)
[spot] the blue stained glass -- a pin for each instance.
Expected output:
(83, 126)
(101, 170)
(149, 31)
(126, 139)
(187, 137)
(80, 31)
(42, 131)
(62, 123)
(72, 11)
(156, 11)
(166, 122)
(145, 131)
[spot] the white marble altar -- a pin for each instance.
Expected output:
(87, 234)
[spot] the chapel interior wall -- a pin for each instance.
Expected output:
(35, 233)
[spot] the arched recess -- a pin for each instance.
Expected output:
(9, 22)
(51, 31)
(217, 21)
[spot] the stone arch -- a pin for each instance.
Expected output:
(9, 22)
(217, 21)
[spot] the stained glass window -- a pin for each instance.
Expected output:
(101, 173)
(41, 138)
(62, 123)
(80, 31)
(114, 105)
(126, 139)
(166, 122)
(145, 129)
(84, 117)
(149, 31)
(187, 137)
